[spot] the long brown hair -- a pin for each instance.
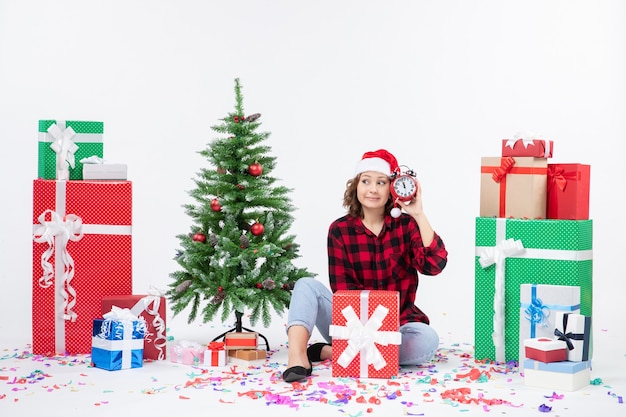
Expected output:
(352, 203)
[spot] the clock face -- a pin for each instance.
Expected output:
(404, 188)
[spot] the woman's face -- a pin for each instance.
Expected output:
(373, 190)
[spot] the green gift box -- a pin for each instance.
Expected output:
(512, 252)
(85, 139)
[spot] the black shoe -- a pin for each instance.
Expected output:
(314, 352)
(297, 373)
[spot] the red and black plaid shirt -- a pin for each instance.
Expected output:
(360, 260)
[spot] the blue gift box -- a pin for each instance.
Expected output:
(117, 344)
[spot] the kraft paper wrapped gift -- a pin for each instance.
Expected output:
(537, 148)
(62, 145)
(187, 352)
(241, 340)
(215, 354)
(538, 307)
(150, 307)
(575, 330)
(248, 354)
(117, 341)
(568, 191)
(365, 332)
(82, 252)
(513, 187)
(557, 376)
(545, 350)
(512, 252)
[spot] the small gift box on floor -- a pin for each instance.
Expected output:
(241, 340)
(248, 354)
(365, 331)
(117, 341)
(151, 307)
(557, 376)
(575, 330)
(187, 353)
(215, 354)
(545, 350)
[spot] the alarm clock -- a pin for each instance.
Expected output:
(404, 186)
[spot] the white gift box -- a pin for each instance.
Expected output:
(104, 171)
(557, 376)
(575, 329)
(538, 307)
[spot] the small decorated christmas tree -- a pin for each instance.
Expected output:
(239, 254)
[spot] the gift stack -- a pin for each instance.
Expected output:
(244, 346)
(82, 239)
(560, 362)
(365, 331)
(534, 229)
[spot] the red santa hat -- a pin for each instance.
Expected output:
(379, 161)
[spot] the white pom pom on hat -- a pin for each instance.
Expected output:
(378, 161)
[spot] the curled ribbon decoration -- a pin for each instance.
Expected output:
(56, 233)
(500, 172)
(497, 256)
(63, 146)
(537, 312)
(151, 304)
(364, 337)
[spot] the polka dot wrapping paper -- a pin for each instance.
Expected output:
(81, 252)
(88, 138)
(365, 331)
(555, 252)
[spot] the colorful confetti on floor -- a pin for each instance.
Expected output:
(452, 381)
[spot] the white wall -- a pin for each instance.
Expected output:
(437, 83)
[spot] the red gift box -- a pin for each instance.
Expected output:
(545, 350)
(241, 340)
(81, 252)
(513, 187)
(537, 148)
(568, 191)
(152, 309)
(365, 331)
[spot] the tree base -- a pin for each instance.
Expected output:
(239, 328)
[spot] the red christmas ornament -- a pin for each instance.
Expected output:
(199, 237)
(236, 119)
(215, 205)
(259, 285)
(220, 289)
(257, 229)
(255, 169)
(241, 187)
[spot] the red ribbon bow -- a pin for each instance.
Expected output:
(557, 176)
(216, 346)
(505, 167)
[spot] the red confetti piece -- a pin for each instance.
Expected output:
(182, 397)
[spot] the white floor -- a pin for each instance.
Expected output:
(68, 386)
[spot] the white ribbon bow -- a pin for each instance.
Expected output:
(364, 337)
(526, 138)
(497, 256)
(57, 232)
(63, 146)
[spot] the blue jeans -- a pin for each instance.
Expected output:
(311, 306)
